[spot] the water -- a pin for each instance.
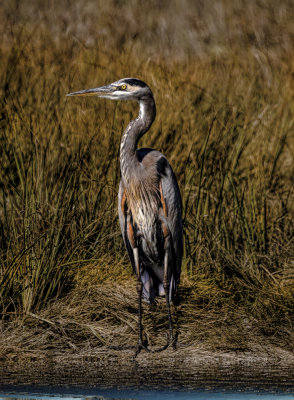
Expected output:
(113, 394)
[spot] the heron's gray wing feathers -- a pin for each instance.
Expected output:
(172, 197)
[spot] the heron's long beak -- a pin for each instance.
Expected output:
(100, 91)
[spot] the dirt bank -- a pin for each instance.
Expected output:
(69, 343)
(186, 368)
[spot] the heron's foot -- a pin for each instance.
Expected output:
(174, 343)
(169, 341)
(141, 346)
(177, 344)
(122, 347)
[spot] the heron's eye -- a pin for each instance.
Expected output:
(123, 87)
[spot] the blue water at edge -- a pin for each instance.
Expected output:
(124, 394)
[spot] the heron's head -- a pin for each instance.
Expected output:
(124, 89)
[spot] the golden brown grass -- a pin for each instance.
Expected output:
(222, 76)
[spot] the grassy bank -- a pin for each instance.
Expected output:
(222, 76)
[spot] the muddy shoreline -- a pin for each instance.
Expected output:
(187, 369)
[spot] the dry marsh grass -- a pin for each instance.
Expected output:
(222, 76)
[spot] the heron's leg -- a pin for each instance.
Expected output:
(133, 243)
(139, 291)
(166, 282)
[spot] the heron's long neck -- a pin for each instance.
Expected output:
(134, 131)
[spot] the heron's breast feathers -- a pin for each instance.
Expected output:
(143, 200)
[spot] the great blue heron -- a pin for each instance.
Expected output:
(149, 203)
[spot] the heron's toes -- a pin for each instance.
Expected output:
(140, 347)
